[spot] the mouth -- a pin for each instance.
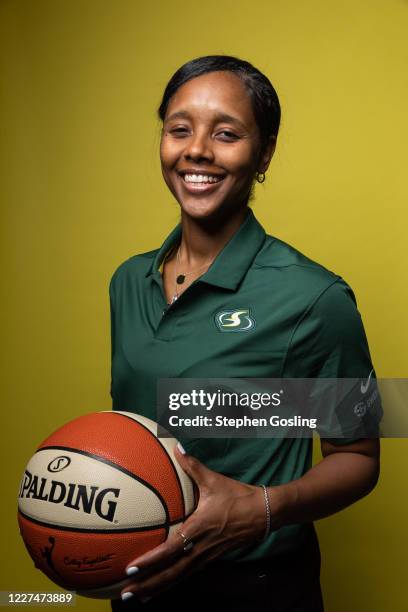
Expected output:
(200, 182)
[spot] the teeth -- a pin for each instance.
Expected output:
(201, 178)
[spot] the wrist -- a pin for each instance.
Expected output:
(282, 500)
(258, 513)
(270, 514)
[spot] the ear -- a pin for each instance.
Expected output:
(267, 154)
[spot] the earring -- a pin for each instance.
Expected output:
(260, 177)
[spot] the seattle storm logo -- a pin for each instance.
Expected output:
(234, 320)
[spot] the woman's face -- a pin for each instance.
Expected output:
(210, 145)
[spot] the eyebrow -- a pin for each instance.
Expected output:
(219, 117)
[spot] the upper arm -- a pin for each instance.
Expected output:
(365, 446)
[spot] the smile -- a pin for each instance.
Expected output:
(200, 182)
(201, 178)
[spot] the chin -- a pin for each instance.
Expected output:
(199, 210)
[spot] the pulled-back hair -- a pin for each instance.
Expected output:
(264, 99)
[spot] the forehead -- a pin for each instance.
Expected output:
(212, 93)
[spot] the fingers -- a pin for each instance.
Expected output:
(155, 558)
(169, 562)
(201, 475)
(147, 587)
(169, 551)
(162, 570)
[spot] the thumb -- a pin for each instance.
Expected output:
(193, 467)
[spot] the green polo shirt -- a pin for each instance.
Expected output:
(305, 324)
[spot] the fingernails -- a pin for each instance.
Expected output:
(132, 570)
(127, 595)
(181, 449)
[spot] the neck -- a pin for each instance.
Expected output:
(201, 241)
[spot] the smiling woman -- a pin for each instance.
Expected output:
(195, 130)
(250, 544)
(212, 143)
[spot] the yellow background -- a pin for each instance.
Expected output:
(81, 190)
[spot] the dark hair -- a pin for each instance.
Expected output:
(265, 102)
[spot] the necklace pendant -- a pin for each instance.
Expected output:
(174, 298)
(180, 279)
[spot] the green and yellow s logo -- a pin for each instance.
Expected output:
(234, 320)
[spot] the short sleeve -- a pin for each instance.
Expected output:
(330, 342)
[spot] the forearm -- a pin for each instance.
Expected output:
(339, 480)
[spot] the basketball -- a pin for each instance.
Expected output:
(98, 492)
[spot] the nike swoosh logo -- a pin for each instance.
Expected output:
(364, 387)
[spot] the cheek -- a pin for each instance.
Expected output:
(240, 160)
(168, 153)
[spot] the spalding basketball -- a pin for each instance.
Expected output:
(97, 493)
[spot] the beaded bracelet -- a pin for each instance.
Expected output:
(268, 512)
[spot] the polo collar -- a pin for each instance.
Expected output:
(232, 262)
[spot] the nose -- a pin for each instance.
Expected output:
(198, 147)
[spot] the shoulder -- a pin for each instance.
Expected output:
(301, 276)
(329, 336)
(276, 253)
(322, 304)
(133, 268)
(334, 315)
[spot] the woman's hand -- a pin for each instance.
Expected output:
(229, 514)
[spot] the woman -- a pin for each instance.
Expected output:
(250, 544)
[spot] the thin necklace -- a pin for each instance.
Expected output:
(180, 278)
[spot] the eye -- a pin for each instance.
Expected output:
(179, 132)
(228, 135)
